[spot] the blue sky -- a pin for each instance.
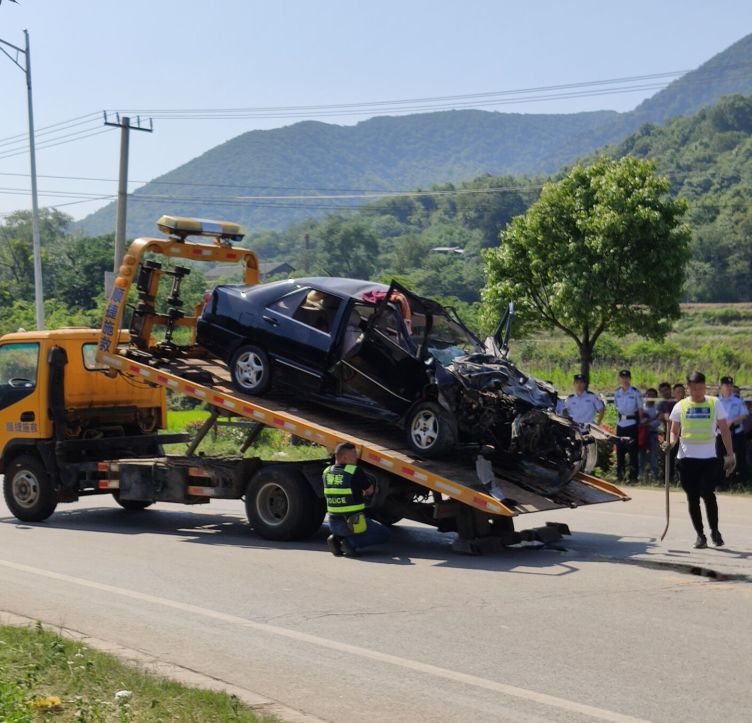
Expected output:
(91, 55)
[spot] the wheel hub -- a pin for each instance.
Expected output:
(425, 429)
(25, 489)
(272, 504)
(250, 369)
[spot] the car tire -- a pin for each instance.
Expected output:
(28, 489)
(250, 370)
(131, 505)
(281, 505)
(431, 430)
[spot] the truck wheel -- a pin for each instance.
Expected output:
(281, 505)
(250, 370)
(131, 505)
(430, 430)
(29, 492)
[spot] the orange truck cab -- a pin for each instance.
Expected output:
(59, 405)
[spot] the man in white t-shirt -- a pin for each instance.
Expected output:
(694, 421)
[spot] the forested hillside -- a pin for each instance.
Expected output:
(401, 153)
(708, 158)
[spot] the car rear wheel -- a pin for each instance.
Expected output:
(250, 370)
(430, 430)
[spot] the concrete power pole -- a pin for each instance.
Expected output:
(125, 126)
(36, 245)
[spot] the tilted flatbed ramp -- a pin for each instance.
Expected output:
(198, 376)
(209, 380)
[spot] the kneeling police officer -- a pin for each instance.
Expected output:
(345, 486)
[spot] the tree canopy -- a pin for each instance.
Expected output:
(602, 249)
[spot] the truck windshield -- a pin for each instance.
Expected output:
(18, 364)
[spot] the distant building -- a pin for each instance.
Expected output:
(271, 268)
(448, 249)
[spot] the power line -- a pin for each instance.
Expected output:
(53, 125)
(50, 144)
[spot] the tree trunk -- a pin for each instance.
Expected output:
(586, 359)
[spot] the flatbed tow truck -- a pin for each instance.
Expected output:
(82, 415)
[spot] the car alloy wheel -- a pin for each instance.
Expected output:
(249, 369)
(425, 429)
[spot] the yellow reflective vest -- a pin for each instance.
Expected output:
(338, 490)
(698, 420)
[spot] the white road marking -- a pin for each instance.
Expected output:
(415, 665)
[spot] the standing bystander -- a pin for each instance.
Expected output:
(736, 411)
(628, 403)
(693, 426)
(583, 406)
(651, 424)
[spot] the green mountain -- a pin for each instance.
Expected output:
(399, 154)
(708, 158)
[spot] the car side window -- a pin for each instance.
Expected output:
(289, 303)
(18, 364)
(317, 310)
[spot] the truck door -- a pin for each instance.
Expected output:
(20, 407)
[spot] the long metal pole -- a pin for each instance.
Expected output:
(36, 245)
(122, 199)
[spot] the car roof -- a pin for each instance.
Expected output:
(340, 286)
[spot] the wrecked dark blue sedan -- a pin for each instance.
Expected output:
(383, 352)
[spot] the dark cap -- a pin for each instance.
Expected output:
(625, 373)
(580, 378)
(696, 378)
(727, 380)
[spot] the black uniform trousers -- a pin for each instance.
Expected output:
(625, 448)
(698, 479)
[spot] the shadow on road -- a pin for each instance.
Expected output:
(408, 544)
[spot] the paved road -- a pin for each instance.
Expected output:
(608, 628)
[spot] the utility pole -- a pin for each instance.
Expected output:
(125, 126)
(36, 245)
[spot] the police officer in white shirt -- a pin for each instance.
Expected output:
(736, 411)
(583, 406)
(628, 403)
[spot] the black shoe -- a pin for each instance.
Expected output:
(334, 544)
(717, 539)
(347, 549)
(701, 542)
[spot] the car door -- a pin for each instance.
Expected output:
(384, 366)
(299, 339)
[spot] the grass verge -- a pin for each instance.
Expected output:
(45, 677)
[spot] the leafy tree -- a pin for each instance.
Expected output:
(602, 249)
(346, 248)
(16, 251)
(77, 275)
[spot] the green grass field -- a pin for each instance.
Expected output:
(45, 677)
(714, 339)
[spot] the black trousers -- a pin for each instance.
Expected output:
(698, 478)
(626, 448)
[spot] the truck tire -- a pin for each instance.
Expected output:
(28, 489)
(281, 505)
(250, 370)
(131, 505)
(431, 431)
